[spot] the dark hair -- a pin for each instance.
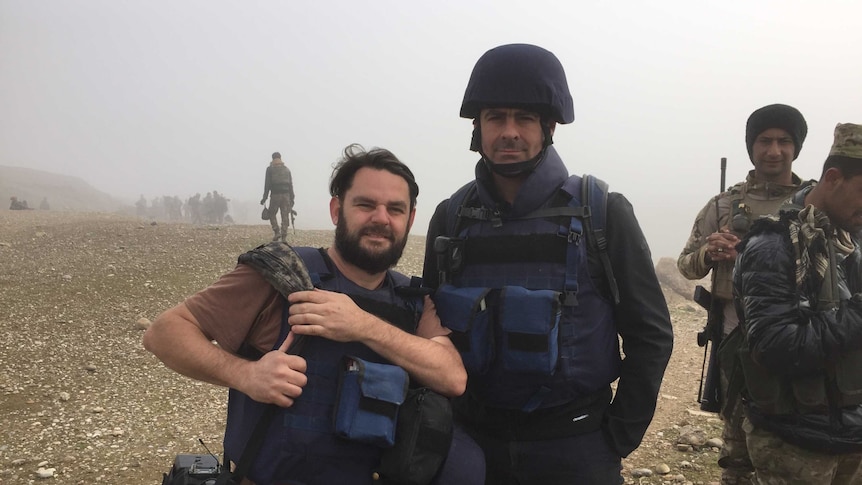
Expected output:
(355, 157)
(848, 166)
(276, 155)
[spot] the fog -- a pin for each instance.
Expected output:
(175, 97)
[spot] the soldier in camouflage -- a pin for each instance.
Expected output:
(773, 136)
(280, 183)
(798, 282)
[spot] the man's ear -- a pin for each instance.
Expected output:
(831, 177)
(334, 206)
(410, 220)
(552, 125)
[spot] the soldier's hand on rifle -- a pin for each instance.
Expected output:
(721, 246)
(263, 201)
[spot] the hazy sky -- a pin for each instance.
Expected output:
(175, 97)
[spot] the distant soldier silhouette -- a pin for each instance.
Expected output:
(17, 205)
(141, 207)
(194, 208)
(279, 182)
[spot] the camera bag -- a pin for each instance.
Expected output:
(422, 439)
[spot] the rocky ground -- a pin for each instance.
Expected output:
(82, 402)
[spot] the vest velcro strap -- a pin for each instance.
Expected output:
(563, 211)
(570, 298)
(527, 342)
(478, 213)
(376, 406)
(528, 248)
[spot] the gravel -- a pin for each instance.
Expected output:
(82, 402)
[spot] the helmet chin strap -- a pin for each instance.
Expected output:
(514, 170)
(511, 170)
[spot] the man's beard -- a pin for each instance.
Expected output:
(350, 248)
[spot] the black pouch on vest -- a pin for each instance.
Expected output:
(369, 395)
(464, 311)
(530, 320)
(422, 439)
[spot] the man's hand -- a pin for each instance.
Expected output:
(721, 246)
(330, 315)
(278, 377)
(263, 201)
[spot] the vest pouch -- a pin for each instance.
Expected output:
(530, 320)
(464, 311)
(849, 379)
(766, 393)
(369, 395)
(810, 393)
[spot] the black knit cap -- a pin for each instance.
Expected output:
(781, 116)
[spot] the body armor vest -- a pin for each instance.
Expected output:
(533, 329)
(281, 180)
(301, 447)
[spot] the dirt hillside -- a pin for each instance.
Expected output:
(82, 402)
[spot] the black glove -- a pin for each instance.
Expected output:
(263, 201)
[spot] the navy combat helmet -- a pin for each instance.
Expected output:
(518, 76)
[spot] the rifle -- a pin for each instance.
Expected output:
(709, 388)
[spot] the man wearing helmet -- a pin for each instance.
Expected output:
(536, 316)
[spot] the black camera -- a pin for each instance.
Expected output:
(193, 470)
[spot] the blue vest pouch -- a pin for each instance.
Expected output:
(369, 395)
(464, 311)
(530, 320)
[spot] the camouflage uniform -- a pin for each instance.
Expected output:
(750, 199)
(792, 465)
(280, 182)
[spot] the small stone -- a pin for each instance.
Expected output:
(143, 323)
(45, 472)
(715, 442)
(690, 435)
(90, 368)
(662, 469)
(683, 447)
(64, 396)
(641, 472)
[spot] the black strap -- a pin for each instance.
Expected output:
(597, 231)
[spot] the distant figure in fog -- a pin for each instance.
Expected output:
(17, 205)
(194, 208)
(43, 206)
(141, 207)
(279, 182)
